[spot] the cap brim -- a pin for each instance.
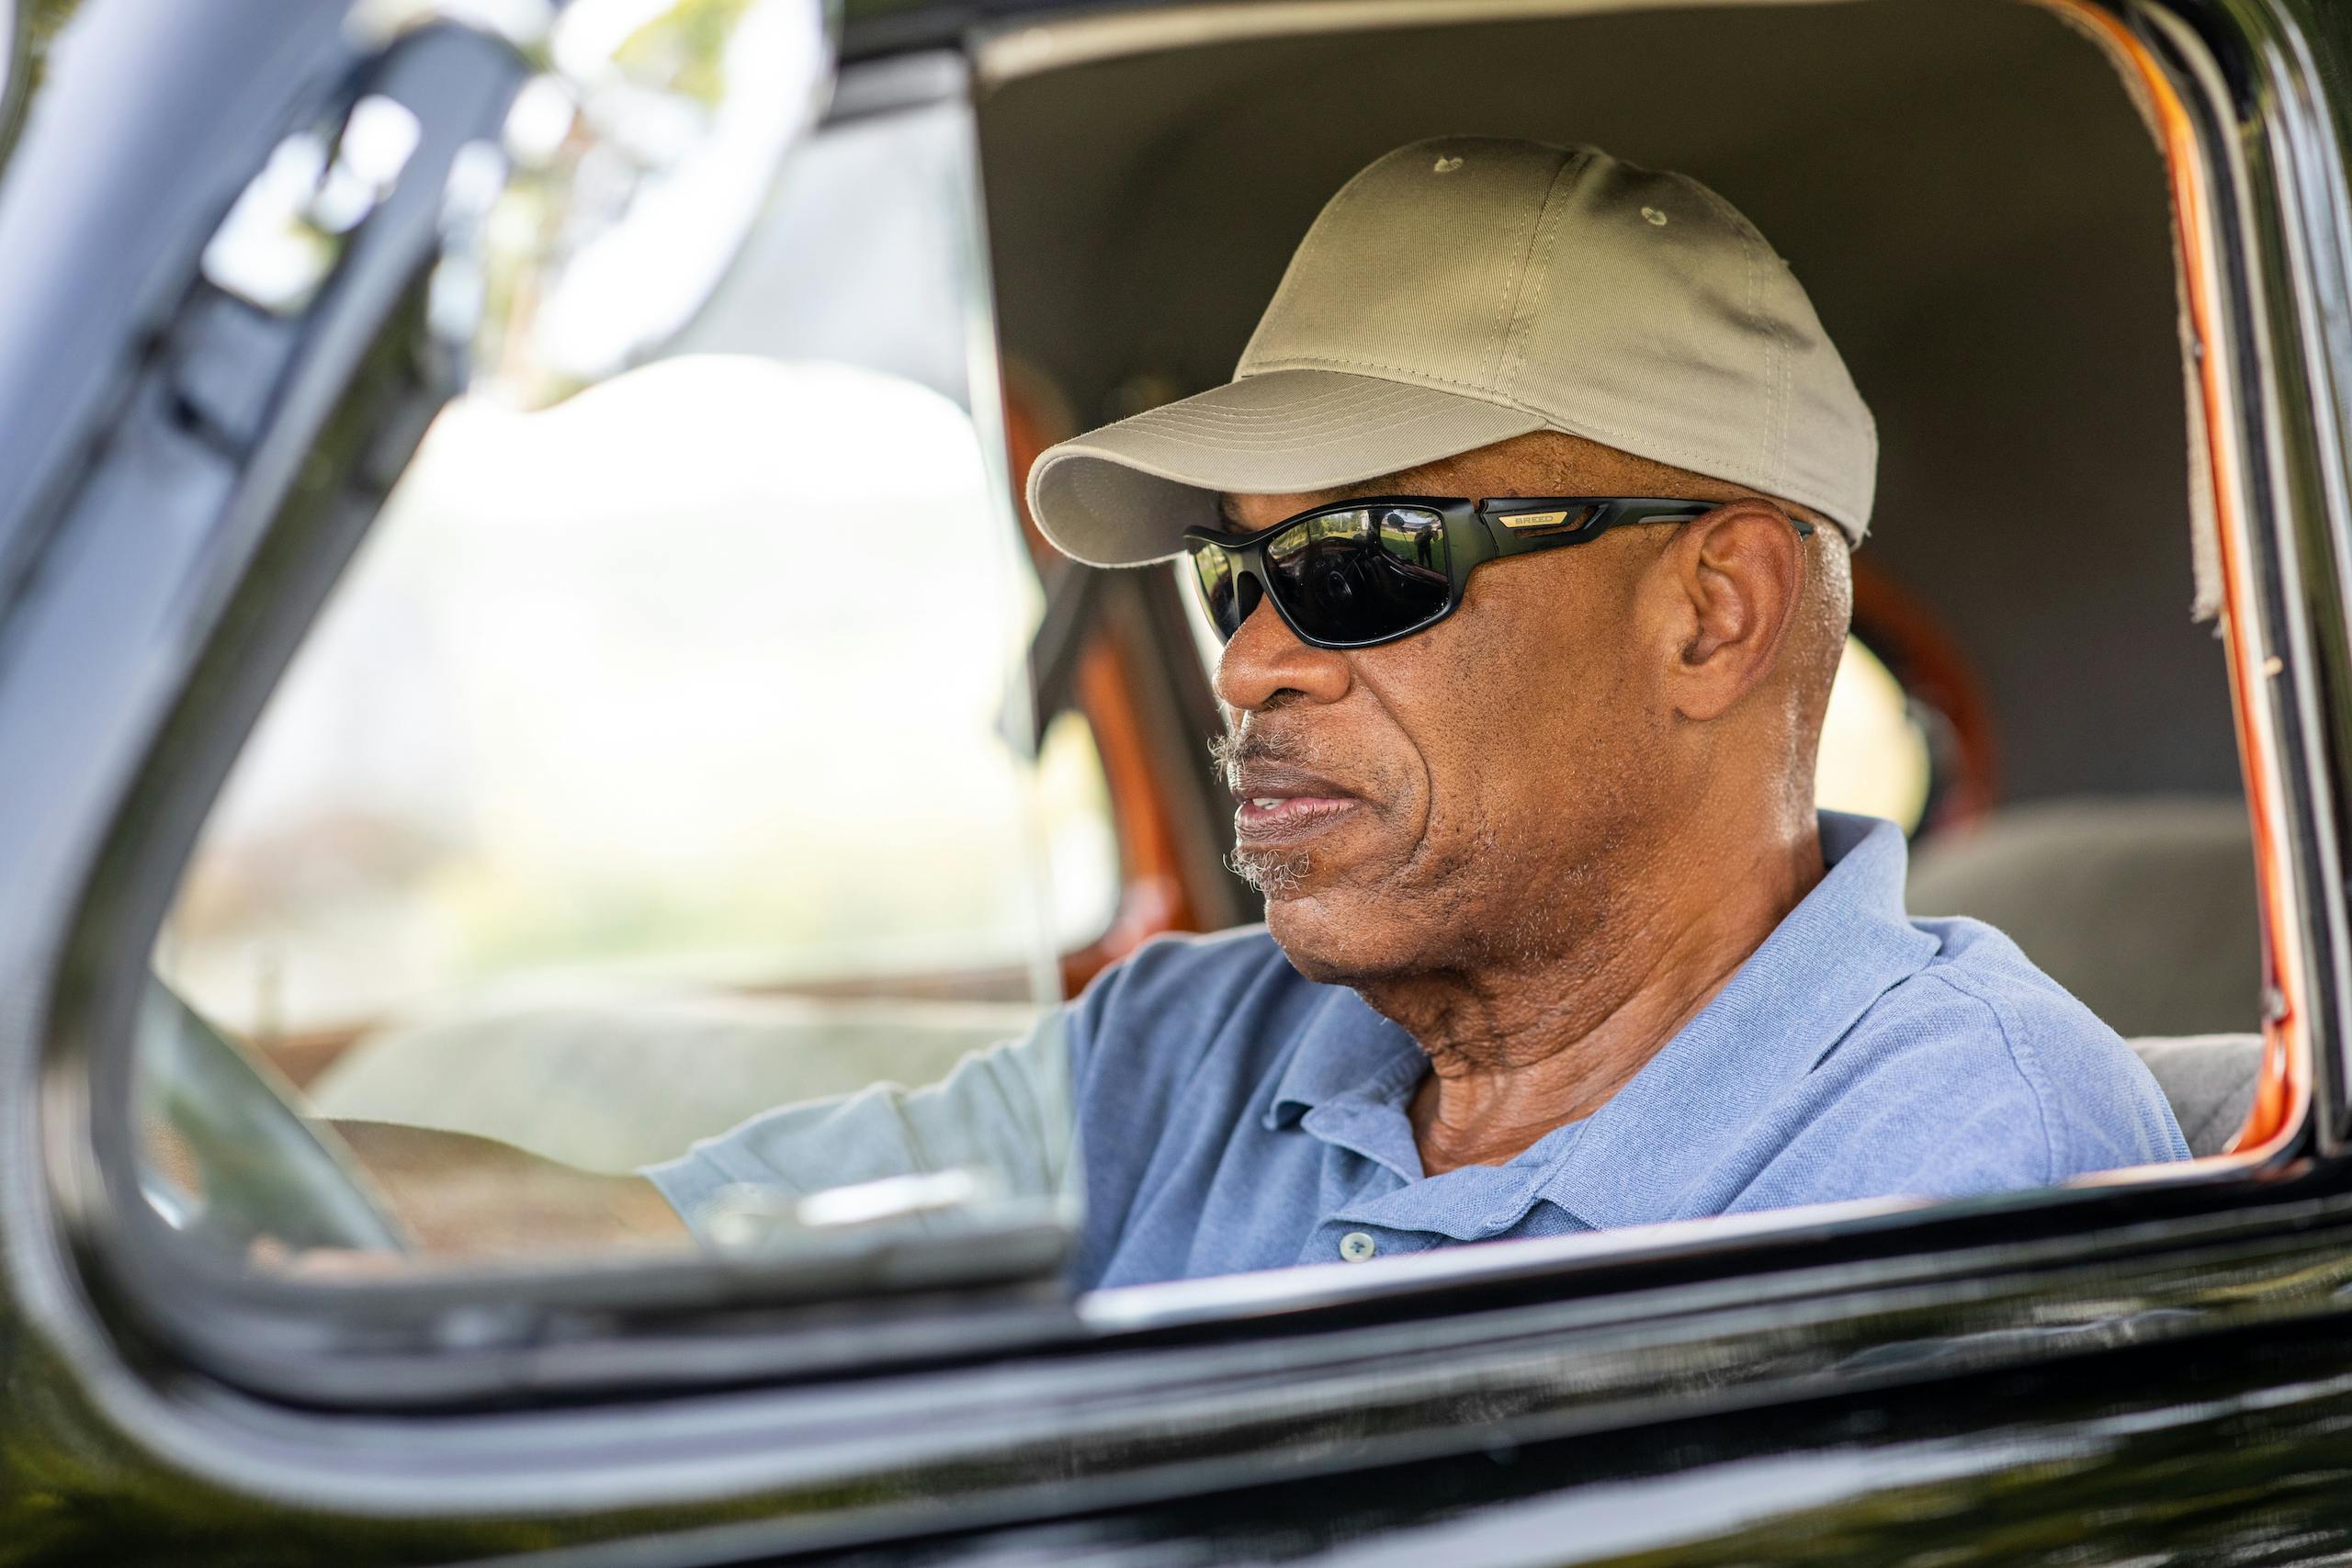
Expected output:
(1124, 495)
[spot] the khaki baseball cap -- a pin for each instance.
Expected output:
(1467, 290)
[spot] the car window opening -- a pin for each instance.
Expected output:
(658, 846)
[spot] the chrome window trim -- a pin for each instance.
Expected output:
(1008, 51)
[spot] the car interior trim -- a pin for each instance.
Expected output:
(1010, 52)
(2283, 1095)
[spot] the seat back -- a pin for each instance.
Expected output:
(2144, 908)
(2210, 1081)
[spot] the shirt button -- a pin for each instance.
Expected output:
(1357, 1247)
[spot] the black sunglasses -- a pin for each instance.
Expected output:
(1359, 574)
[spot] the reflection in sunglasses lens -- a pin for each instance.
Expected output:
(1353, 575)
(1361, 574)
(1214, 567)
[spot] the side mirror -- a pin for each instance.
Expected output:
(631, 169)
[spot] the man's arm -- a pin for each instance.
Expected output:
(1003, 1111)
(463, 1196)
(453, 1194)
(1003, 1114)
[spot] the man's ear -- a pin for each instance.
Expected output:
(1739, 572)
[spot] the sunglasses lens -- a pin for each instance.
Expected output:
(1361, 574)
(1219, 587)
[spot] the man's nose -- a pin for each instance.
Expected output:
(1265, 659)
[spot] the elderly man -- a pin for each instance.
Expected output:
(1525, 521)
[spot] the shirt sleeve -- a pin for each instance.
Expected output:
(1003, 1113)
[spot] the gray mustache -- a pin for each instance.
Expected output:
(1233, 749)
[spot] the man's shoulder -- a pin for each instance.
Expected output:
(1980, 1026)
(1185, 957)
(1178, 975)
(1176, 996)
(1978, 970)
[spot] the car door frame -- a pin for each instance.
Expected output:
(603, 1406)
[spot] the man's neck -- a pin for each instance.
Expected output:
(1519, 1048)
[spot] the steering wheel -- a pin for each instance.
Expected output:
(263, 1168)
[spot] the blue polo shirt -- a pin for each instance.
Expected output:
(1232, 1115)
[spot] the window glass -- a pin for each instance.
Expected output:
(632, 686)
(664, 764)
(661, 761)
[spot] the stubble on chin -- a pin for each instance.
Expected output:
(1275, 875)
(1439, 908)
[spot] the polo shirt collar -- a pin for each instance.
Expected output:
(1346, 1052)
(1846, 943)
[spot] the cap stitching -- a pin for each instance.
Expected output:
(1389, 413)
(1507, 382)
(1755, 313)
(1597, 430)
(1208, 421)
(1333, 424)
(1283, 287)
(1512, 276)
(1306, 438)
(1788, 356)
(1699, 462)
(1175, 413)
(1209, 440)
(1601, 431)
(1189, 407)
(1772, 443)
(1303, 361)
